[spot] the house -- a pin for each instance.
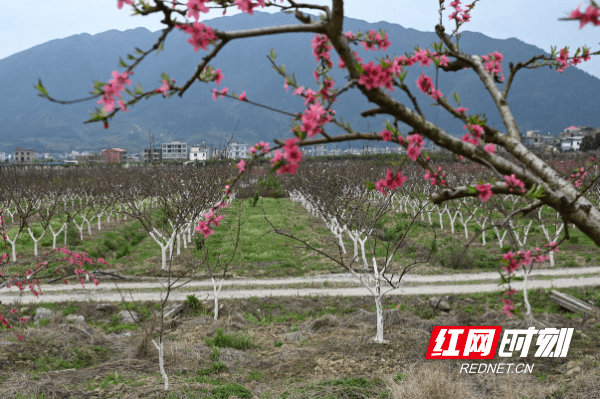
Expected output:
(152, 154)
(571, 143)
(117, 155)
(23, 155)
(318, 150)
(90, 158)
(236, 150)
(174, 151)
(199, 152)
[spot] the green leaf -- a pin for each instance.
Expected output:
(123, 63)
(130, 57)
(160, 47)
(456, 98)
(370, 186)
(272, 54)
(288, 12)
(40, 87)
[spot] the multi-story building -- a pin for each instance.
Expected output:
(571, 143)
(152, 154)
(23, 155)
(236, 150)
(117, 155)
(199, 152)
(174, 151)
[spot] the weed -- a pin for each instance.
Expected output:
(255, 375)
(230, 389)
(214, 368)
(236, 341)
(277, 344)
(70, 309)
(193, 302)
(216, 352)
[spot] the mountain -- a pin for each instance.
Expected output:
(540, 99)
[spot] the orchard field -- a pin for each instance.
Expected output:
(136, 225)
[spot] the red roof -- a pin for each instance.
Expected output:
(571, 128)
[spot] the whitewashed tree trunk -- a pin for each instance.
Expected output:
(54, 235)
(216, 291)
(164, 245)
(13, 244)
(80, 228)
(465, 223)
(547, 235)
(500, 238)
(35, 240)
(161, 363)
(452, 220)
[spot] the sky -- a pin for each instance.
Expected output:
(532, 21)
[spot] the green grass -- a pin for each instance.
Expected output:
(230, 389)
(214, 368)
(235, 341)
(341, 388)
(265, 253)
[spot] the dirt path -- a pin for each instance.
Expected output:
(418, 285)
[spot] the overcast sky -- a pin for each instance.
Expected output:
(532, 21)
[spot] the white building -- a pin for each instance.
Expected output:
(571, 143)
(199, 152)
(236, 150)
(2, 156)
(174, 151)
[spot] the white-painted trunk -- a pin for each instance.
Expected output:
(54, 235)
(379, 336)
(161, 363)
(13, 244)
(35, 240)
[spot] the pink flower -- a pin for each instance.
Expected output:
(375, 76)
(511, 292)
(391, 181)
(292, 152)
(241, 166)
(13, 311)
(461, 110)
(508, 307)
(219, 76)
(512, 181)
(242, 96)
(299, 91)
(164, 88)
(424, 83)
(376, 39)
(321, 49)
(121, 2)
(313, 119)
(195, 7)
(387, 135)
(485, 192)
(415, 146)
(201, 35)
(590, 16)
(491, 148)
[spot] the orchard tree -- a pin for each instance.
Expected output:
(522, 173)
